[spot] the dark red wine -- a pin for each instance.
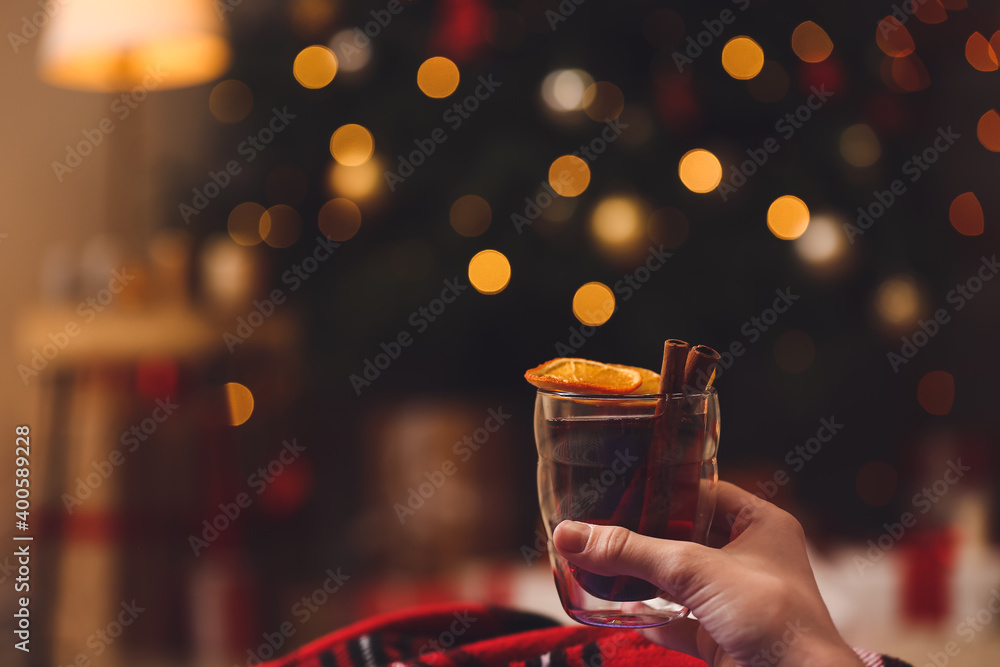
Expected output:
(617, 471)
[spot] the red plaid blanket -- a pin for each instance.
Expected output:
(474, 635)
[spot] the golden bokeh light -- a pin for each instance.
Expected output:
(876, 483)
(980, 54)
(988, 130)
(966, 214)
(594, 304)
(356, 183)
(771, 85)
(668, 227)
(859, 145)
(244, 223)
(742, 58)
(438, 77)
(910, 73)
(930, 11)
(569, 175)
(898, 302)
(788, 217)
(794, 351)
(811, 43)
(564, 89)
(618, 222)
(280, 226)
(240, 403)
(893, 38)
(603, 101)
(700, 171)
(489, 272)
(936, 392)
(315, 66)
(470, 215)
(339, 219)
(230, 101)
(351, 145)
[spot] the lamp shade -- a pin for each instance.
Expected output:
(110, 45)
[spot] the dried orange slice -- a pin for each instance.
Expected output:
(650, 380)
(584, 376)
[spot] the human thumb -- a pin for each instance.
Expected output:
(675, 567)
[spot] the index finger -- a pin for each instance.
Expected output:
(737, 510)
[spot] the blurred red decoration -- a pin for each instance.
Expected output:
(156, 377)
(461, 28)
(289, 490)
(675, 101)
(928, 563)
(827, 74)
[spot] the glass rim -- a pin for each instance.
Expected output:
(711, 391)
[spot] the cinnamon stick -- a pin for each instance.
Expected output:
(699, 371)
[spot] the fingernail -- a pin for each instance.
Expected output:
(573, 536)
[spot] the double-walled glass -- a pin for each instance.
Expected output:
(647, 463)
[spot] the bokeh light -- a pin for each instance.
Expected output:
(569, 175)
(700, 171)
(438, 77)
(489, 272)
(794, 351)
(859, 146)
(353, 58)
(910, 73)
(339, 219)
(240, 402)
(988, 130)
(563, 89)
(594, 304)
(966, 214)
(470, 215)
(244, 223)
(351, 145)
(876, 483)
(930, 11)
(669, 227)
(618, 222)
(309, 18)
(788, 217)
(230, 101)
(356, 183)
(980, 54)
(771, 85)
(893, 38)
(280, 226)
(823, 241)
(742, 58)
(603, 101)
(936, 392)
(315, 66)
(811, 43)
(898, 302)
